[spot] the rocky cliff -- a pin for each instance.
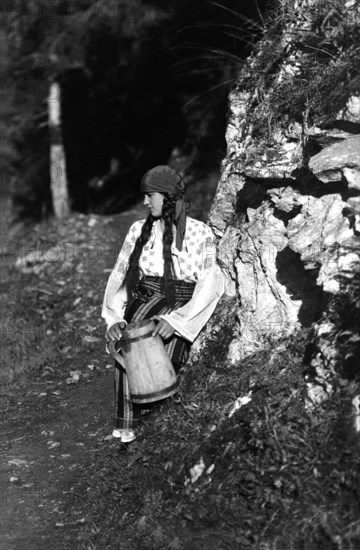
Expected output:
(287, 208)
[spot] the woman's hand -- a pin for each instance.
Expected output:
(114, 332)
(163, 328)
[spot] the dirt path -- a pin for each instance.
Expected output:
(50, 439)
(51, 429)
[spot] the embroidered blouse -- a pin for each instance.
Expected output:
(196, 262)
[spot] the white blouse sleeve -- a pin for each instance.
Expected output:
(210, 286)
(115, 297)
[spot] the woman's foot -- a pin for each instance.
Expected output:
(126, 436)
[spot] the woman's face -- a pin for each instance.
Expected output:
(154, 201)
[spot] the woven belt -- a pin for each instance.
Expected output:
(153, 286)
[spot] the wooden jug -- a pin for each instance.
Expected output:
(150, 373)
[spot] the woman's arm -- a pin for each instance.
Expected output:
(115, 297)
(191, 318)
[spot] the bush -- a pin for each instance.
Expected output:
(320, 49)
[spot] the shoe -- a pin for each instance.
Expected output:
(126, 436)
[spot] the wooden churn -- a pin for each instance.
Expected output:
(150, 373)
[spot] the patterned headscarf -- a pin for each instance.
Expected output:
(163, 179)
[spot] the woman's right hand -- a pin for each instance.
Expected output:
(114, 332)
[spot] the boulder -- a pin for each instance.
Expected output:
(340, 160)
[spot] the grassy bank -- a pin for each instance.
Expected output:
(271, 475)
(201, 475)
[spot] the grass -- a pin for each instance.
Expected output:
(274, 475)
(320, 52)
(48, 309)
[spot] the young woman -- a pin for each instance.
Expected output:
(166, 270)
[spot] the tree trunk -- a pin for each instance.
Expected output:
(58, 180)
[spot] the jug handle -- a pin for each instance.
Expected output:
(110, 348)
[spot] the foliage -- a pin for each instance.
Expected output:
(120, 48)
(343, 313)
(210, 45)
(123, 65)
(306, 66)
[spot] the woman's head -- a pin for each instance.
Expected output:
(163, 179)
(154, 201)
(163, 182)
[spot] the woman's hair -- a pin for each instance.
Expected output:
(133, 272)
(168, 214)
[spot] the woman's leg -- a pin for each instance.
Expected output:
(123, 417)
(126, 412)
(177, 348)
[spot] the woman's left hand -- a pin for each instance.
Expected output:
(163, 328)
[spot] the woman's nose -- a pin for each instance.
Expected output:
(146, 200)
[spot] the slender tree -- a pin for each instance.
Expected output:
(58, 178)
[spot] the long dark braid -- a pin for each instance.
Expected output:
(133, 272)
(168, 213)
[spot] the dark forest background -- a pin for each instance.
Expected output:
(143, 82)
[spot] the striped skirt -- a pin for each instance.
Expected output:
(148, 301)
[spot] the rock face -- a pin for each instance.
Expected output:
(287, 218)
(287, 245)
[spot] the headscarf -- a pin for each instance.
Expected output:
(163, 179)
